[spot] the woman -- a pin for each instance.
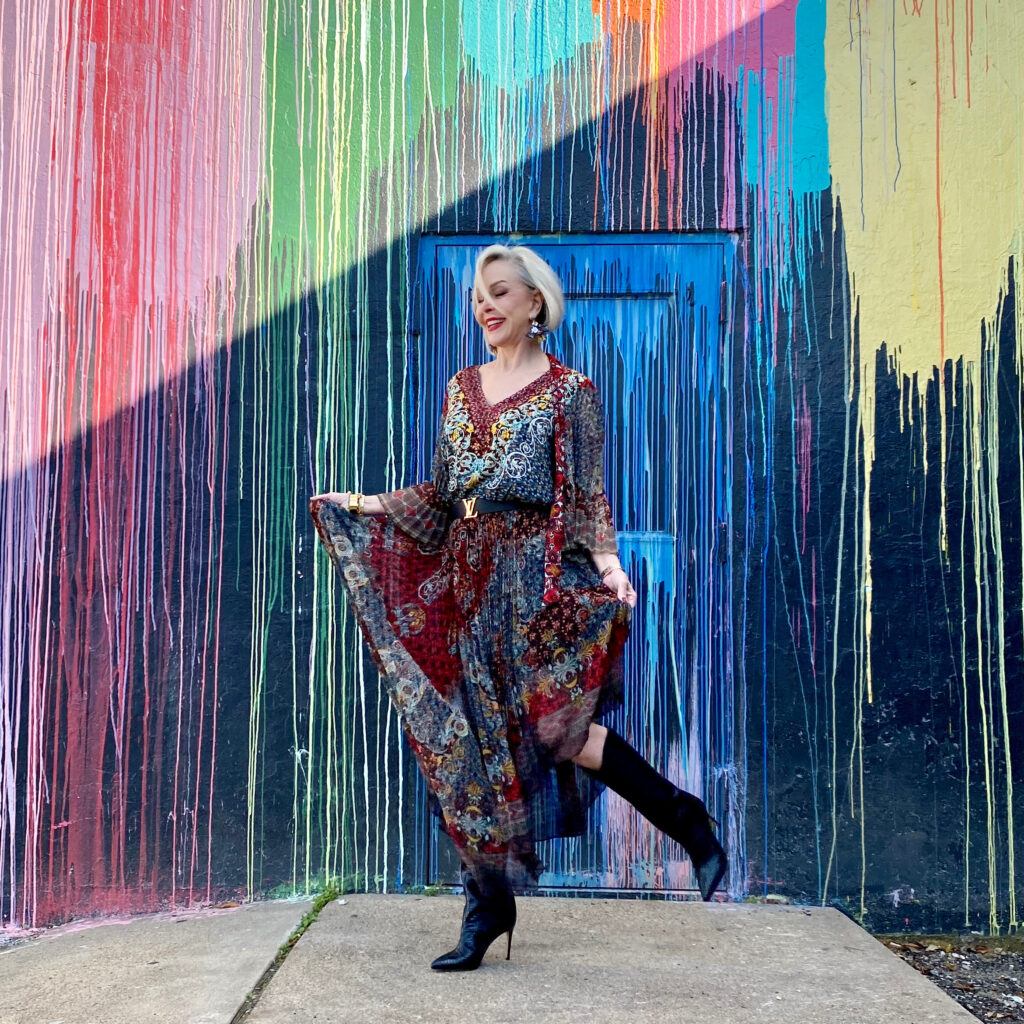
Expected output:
(495, 605)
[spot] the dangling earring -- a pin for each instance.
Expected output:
(536, 331)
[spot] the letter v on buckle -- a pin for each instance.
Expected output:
(469, 508)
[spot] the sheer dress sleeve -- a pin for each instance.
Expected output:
(419, 511)
(588, 518)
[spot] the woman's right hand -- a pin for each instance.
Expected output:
(372, 505)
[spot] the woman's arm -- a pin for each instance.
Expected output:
(592, 527)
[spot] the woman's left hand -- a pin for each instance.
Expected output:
(618, 583)
(338, 497)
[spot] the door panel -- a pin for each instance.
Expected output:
(645, 321)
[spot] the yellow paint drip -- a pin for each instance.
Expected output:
(926, 163)
(925, 112)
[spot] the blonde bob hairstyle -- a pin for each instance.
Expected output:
(535, 274)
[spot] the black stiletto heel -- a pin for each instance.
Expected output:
(490, 911)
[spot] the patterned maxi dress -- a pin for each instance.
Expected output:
(497, 641)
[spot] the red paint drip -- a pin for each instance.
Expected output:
(141, 189)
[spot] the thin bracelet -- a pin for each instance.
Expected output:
(609, 569)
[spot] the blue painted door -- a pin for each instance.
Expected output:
(647, 322)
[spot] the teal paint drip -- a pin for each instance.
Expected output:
(809, 156)
(512, 42)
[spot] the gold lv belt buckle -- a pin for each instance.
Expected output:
(469, 508)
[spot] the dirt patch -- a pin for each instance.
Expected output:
(984, 975)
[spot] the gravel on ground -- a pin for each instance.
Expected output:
(983, 974)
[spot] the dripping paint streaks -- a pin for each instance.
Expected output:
(213, 213)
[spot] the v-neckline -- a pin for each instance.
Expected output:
(508, 400)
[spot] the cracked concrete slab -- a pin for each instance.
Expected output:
(598, 962)
(189, 968)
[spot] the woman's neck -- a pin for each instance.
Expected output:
(520, 358)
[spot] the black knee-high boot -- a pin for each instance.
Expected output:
(680, 815)
(490, 911)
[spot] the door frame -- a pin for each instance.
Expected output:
(423, 259)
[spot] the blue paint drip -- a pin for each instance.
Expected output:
(644, 321)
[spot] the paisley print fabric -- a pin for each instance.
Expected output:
(496, 639)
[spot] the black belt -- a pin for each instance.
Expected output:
(470, 508)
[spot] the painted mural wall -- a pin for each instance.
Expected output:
(212, 216)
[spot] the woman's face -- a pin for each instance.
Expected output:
(506, 314)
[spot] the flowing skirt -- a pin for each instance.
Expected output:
(495, 689)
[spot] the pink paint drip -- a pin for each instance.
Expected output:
(132, 163)
(727, 39)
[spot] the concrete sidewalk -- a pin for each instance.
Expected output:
(573, 960)
(598, 961)
(186, 968)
